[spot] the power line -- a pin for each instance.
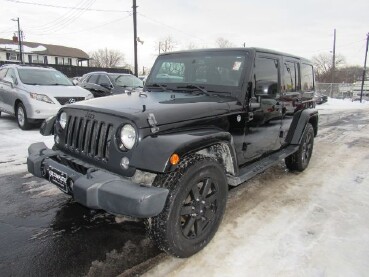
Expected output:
(65, 18)
(65, 7)
(83, 30)
(168, 26)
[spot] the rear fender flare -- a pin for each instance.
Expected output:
(298, 125)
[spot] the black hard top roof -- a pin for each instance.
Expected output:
(246, 49)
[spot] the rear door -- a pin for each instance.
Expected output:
(2, 84)
(290, 91)
(9, 91)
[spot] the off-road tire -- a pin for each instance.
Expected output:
(24, 125)
(197, 177)
(301, 158)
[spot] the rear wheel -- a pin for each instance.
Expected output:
(300, 159)
(194, 208)
(22, 119)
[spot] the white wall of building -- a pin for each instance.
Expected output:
(36, 58)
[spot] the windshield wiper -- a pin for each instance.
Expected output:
(156, 85)
(196, 87)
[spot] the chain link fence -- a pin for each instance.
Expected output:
(335, 90)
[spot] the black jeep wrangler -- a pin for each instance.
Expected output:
(206, 120)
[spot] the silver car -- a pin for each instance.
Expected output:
(36, 93)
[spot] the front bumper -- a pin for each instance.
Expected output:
(40, 110)
(99, 189)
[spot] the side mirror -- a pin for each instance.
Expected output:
(9, 81)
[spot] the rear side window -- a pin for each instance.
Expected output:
(2, 73)
(290, 77)
(307, 77)
(104, 80)
(266, 76)
(11, 74)
(93, 79)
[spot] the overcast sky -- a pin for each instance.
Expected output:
(303, 28)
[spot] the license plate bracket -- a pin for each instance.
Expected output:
(58, 178)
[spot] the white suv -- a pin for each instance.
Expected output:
(33, 94)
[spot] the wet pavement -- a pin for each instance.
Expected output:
(45, 233)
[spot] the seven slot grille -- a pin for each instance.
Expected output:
(89, 137)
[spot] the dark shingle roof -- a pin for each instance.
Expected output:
(52, 50)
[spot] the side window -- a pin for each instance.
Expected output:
(307, 77)
(11, 74)
(266, 76)
(103, 80)
(290, 77)
(92, 79)
(2, 73)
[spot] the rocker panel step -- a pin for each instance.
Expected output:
(249, 171)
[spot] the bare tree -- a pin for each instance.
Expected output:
(166, 44)
(106, 58)
(191, 45)
(323, 66)
(223, 43)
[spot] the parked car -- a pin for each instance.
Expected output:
(33, 94)
(105, 84)
(320, 98)
(207, 119)
(356, 91)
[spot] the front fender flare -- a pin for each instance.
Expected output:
(153, 152)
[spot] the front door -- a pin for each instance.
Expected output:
(265, 120)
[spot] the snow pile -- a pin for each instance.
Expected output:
(26, 49)
(14, 145)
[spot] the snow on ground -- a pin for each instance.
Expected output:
(313, 223)
(342, 104)
(14, 145)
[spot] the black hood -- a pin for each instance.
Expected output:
(167, 107)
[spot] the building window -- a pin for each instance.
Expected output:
(29, 58)
(12, 56)
(45, 60)
(70, 61)
(56, 60)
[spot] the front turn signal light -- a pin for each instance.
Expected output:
(174, 159)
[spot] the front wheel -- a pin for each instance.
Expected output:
(22, 118)
(194, 208)
(300, 159)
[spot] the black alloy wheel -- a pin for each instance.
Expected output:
(301, 158)
(194, 207)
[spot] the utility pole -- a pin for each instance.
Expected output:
(135, 35)
(19, 40)
(333, 61)
(364, 70)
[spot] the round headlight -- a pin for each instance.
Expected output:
(63, 119)
(128, 136)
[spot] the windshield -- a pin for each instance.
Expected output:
(212, 68)
(43, 77)
(126, 80)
